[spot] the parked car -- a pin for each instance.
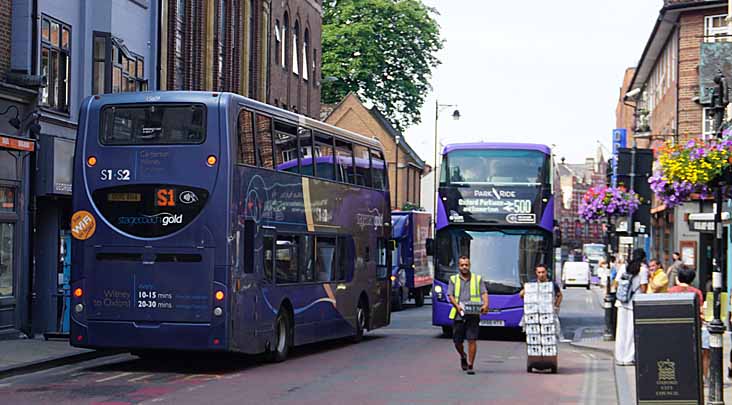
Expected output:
(576, 273)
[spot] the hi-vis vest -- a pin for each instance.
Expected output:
(474, 290)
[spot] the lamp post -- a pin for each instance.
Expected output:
(720, 99)
(396, 173)
(456, 116)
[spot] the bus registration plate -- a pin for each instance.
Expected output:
(492, 322)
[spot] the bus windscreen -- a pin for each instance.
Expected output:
(505, 259)
(153, 124)
(497, 167)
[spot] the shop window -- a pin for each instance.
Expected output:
(7, 239)
(7, 199)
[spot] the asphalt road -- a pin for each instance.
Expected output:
(406, 363)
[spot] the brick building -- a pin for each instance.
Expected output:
(668, 108)
(624, 110)
(574, 181)
(353, 115)
(265, 50)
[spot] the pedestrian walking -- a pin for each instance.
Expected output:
(672, 271)
(657, 279)
(469, 298)
(630, 280)
(603, 271)
(683, 284)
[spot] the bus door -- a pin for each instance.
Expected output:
(265, 258)
(381, 309)
(244, 285)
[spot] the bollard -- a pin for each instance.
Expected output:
(610, 315)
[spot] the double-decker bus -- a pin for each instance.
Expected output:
(202, 223)
(495, 205)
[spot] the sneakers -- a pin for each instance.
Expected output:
(464, 363)
(470, 370)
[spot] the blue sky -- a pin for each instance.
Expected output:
(533, 71)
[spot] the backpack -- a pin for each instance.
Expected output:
(625, 291)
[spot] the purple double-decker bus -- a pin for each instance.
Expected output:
(202, 223)
(495, 205)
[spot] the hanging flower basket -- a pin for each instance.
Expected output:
(695, 167)
(603, 202)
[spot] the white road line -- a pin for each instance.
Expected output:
(140, 377)
(5, 385)
(114, 377)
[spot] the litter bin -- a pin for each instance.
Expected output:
(667, 348)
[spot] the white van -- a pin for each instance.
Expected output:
(576, 273)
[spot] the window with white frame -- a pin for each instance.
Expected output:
(295, 48)
(716, 29)
(55, 63)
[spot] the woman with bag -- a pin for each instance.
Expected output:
(629, 281)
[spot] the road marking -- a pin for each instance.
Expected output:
(5, 385)
(140, 378)
(114, 377)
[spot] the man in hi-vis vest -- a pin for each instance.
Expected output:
(471, 292)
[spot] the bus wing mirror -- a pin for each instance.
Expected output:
(430, 246)
(557, 238)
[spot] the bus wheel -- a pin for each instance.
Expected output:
(447, 331)
(361, 318)
(419, 298)
(282, 342)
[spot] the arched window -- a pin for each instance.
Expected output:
(305, 50)
(295, 47)
(285, 47)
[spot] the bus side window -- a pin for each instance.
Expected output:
(307, 258)
(346, 258)
(268, 257)
(325, 249)
(285, 141)
(378, 170)
(286, 259)
(307, 150)
(363, 170)
(381, 268)
(246, 139)
(264, 141)
(344, 162)
(324, 156)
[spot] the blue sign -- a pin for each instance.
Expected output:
(620, 140)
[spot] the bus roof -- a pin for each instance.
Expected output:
(496, 145)
(208, 98)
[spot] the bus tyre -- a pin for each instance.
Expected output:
(282, 338)
(553, 369)
(361, 319)
(447, 331)
(419, 298)
(588, 286)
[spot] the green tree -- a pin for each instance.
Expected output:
(382, 50)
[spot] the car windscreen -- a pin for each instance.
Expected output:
(153, 124)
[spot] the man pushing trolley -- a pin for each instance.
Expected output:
(542, 299)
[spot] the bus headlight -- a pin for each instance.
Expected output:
(438, 289)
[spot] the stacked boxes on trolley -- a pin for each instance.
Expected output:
(540, 320)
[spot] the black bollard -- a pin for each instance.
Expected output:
(609, 305)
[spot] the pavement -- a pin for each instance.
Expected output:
(625, 382)
(19, 356)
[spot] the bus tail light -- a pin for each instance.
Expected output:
(216, 342)
(78, 293)
(211, 160)
(219, 295)
(91, 161)
(79, 338)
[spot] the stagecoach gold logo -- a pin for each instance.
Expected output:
(83, 225)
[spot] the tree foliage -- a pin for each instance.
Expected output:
(382, 50)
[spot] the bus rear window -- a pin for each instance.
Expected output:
(152, 124)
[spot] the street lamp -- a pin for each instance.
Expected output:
(456, 116)
(720, 99)
(396, 172)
